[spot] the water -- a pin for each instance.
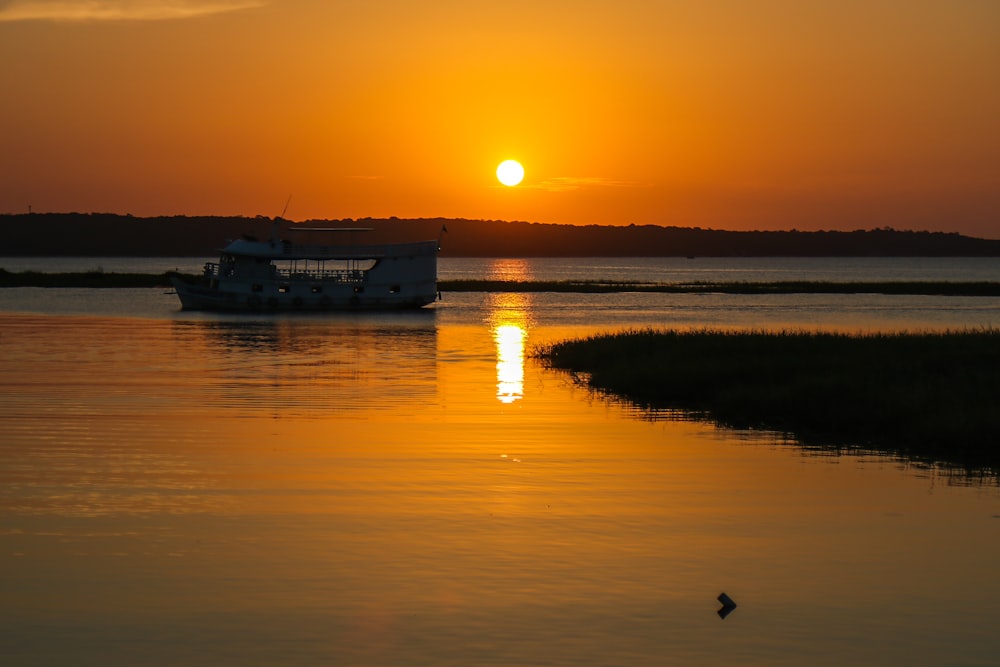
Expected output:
(651, 269)
(389, 489)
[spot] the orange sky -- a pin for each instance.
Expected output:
(728, 114)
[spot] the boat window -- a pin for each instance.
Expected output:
(394, 289)
(283, 289)
(321, 268)
(257, 287)
(316, 289)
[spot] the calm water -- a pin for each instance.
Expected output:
(413, 489)
(653, 269)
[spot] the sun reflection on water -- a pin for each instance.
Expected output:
(510, 362)
(509, 320)
(512, 269)
(509, 316)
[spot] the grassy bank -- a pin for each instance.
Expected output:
(98, 279)
(927, 288)
(930, 396)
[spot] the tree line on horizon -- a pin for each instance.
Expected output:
(108, 235)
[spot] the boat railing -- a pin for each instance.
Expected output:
(325, 275)
(216, 270)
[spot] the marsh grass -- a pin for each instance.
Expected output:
(923, 288)
(931, 396)
(97, 278)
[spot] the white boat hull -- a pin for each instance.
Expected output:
(199, 297)
(271, 276)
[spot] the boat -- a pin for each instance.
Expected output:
(280, 276)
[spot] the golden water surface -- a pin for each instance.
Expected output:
(405, 491)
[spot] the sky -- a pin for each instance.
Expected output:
(724, 114)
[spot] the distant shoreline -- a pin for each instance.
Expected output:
(101, 279)
(111, 235)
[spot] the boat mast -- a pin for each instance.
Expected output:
(275, 237)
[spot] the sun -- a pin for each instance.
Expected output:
(510, 172)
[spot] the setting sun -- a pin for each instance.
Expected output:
(854, 116)
(510, 172)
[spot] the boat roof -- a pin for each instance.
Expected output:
(288, 250)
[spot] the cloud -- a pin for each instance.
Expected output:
(568, 183)
(117, 10)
